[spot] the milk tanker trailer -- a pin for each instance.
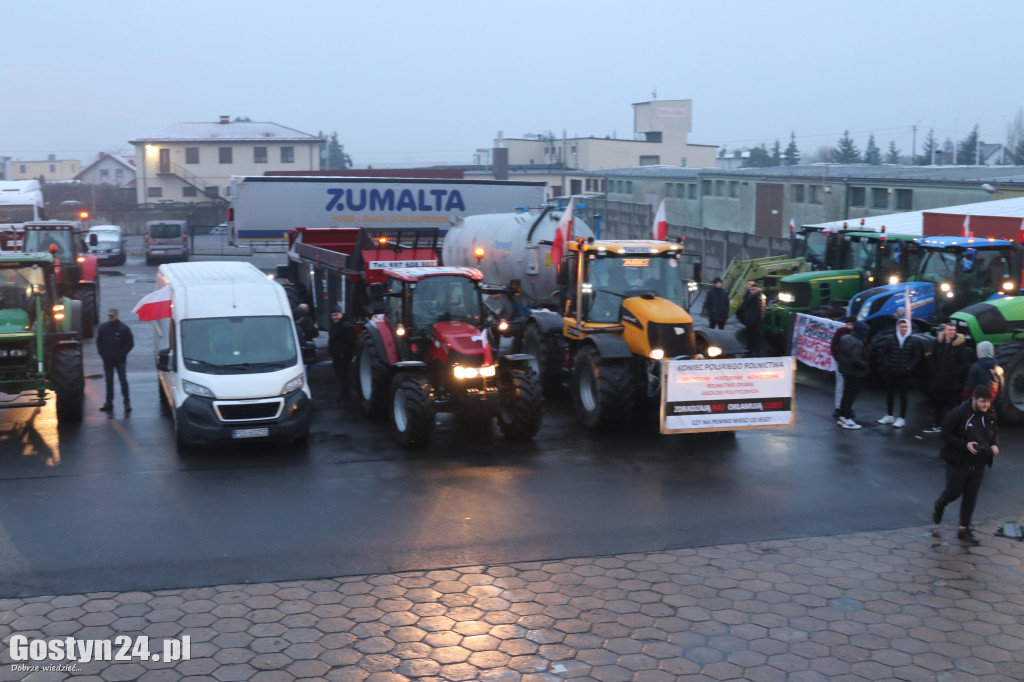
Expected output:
(597, 316)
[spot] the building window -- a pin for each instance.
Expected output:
(188, 191)
(287, 154)
(719, 188)
(650, 160)
(155, 192)
(191, 154)
(225, 154)
(857, 196)
(104, 174)
(705, 188)
(904, 199)
(797, 194)
(22, 168)
(691, 190)
(814, 194)
(734, 188)
(680, 190)
(53, 168)
(879, 197)
(259, 155)
(629, 186)
(119, 173)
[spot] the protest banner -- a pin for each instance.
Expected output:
(812, 341)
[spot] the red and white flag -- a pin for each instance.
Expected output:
(660, 228)
(563, 233)
(154, 306)
(792, 225)
(967, 226)
(906, 306)
(1020, 232)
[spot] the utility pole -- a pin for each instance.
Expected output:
(913, 145)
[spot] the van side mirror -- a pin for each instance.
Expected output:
(698, 271)
(165, 360)
(93, 239)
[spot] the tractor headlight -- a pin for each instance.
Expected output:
(400, 330)
(945, 286)
(461, 372)
(503, 326)
(785, 297)
(714, 351)
(196, 389)
(692, 286)
(58, 312)
(17, 353)
(487, 371)
(294, 385)
(656, 354)
(894, 280)
(1007, 286)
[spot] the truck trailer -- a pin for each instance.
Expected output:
(264, 208)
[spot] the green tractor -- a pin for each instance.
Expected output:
(1001, 321)
(846, 263)
(40, 350)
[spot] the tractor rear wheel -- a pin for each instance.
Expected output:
(544, 362)
(412, 409)
(68, 383)
(602, 390)
(1010, 398)
(521, 404)
(90, 311)
(371, 375)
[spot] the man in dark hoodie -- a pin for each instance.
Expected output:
(853, 365)
(970, 436)
(340, 345)
(949, 362)
(717, 303)
(984, 371)
(847, 328)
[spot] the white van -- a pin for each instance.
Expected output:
(228, 358)
(109, 246)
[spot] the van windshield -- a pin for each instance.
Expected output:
(238, 345)
(165, 231)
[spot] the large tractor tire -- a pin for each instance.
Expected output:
(1010, 398)
(521, 405)
(543, 350)
(90, 309)
(602, 390)
(412, 409)
(370, 379)
(68, 383)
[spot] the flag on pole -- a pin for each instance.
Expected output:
(660, 228)
(906, 306)
(1020, 232)
(154, 306)
(563, 233)
(967, 226)
(792, 225)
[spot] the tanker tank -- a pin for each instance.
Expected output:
(516, 246)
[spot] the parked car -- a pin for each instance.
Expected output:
(109, 246)
(166, 240)
(220, 229)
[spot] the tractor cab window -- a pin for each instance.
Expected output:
(613, 280)
(991, 268)
(17, 307)
(815, 249)
(858, 254)
(938, 267)
(444, 298)
(393, 302)
(41, 240)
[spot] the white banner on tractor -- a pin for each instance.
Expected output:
(727, 394)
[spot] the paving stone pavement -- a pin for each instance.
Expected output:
(895, 605)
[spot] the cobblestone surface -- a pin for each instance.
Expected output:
(896, 605)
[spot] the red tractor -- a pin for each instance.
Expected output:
(74, 266)
(428, 350)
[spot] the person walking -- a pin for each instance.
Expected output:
(340, 345)
(900, 356)
(853, 364)
(304, 320)
(751, 314)
(948, 362)
(970, 436)
(834, 345)
(717, 304)
(114, 341)
(984, 372)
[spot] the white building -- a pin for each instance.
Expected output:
(109, 169)
(194, 162)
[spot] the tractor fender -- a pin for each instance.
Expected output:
(88, 268)
(73, 316)
(726, 340)
(381, 332)
(610, 346)
(547, 320)
(515, 361)
(410, 364)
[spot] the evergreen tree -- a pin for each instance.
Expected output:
(777, 154)
(759, 158)
(1015, 139)
(846, 151)
(332, 153)
(872, 154)
(926, 157)
(967, 150)
(792, 153)
(893, 155)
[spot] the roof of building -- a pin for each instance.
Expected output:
(912, 222)
(824, 172)
(226, 131)
(125, 160)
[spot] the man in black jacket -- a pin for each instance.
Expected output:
(899, 357)
(751, 314)
(970, 436)
(949, 361)
(853, 364)
(717, 304)
(114, 341)
(340, 346)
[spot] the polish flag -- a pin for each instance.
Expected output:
(563, 233)
(1020, 233)
(660, 228)
(967, 226)
(792, 225)
(906, 307)
(154, 306)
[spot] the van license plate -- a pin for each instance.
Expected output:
(250, 433)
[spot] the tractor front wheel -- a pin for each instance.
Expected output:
(1010, 398)
(68, 383)
(412, 409)
(521, 404)
(602, 391)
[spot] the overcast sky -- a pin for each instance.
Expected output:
(415, 82)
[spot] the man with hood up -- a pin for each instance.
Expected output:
(900, 355)
(851, 357)
(984, 371)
